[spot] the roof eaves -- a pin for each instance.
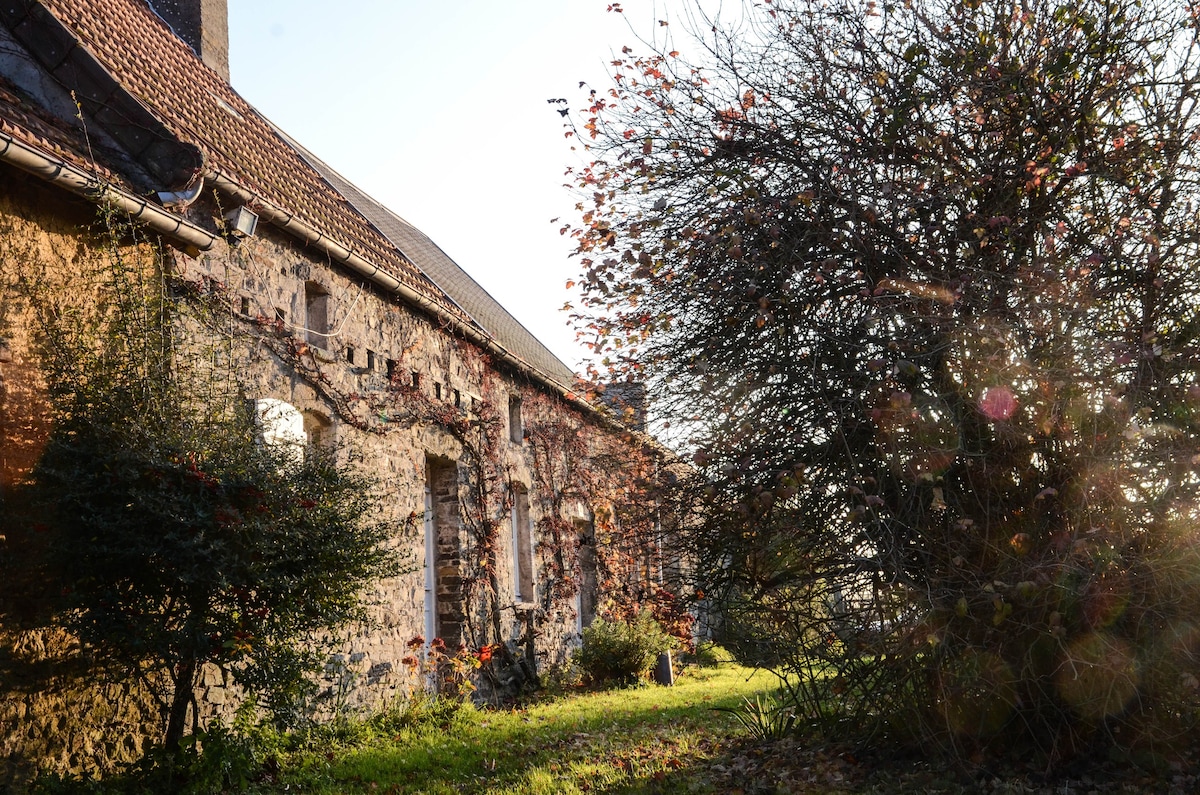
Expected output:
(319, 166)
(100, 96)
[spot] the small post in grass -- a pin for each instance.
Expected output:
(663, 672)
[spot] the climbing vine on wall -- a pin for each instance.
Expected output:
(180, 540)
(574, 461)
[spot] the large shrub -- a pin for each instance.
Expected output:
(617, 652)
(916, 283)
(185, 539)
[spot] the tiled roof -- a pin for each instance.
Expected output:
(166, 108)
(26, 122)
(446, 274)
(190, 100)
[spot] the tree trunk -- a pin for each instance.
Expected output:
(185, 678)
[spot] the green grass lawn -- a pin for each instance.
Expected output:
(638, 741)
(643, 740)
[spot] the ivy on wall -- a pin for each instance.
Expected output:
(574, 461)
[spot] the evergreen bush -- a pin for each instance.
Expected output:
(620, 653)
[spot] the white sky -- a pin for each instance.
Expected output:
(439, 111)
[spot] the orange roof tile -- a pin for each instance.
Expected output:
(151, 64)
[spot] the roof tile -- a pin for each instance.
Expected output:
(196, 106)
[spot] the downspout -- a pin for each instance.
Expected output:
(76, 180)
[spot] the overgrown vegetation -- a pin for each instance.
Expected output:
(182, 539)
(622, 652)
(916, 283)
(616, 741)
(646, 740)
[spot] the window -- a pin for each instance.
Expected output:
(442, 576)
(318, 428)
(429, 567)
(522, 545)
(588, 596)
(437, 390)
(316, 314)
(370, 365)
(349, 354)
(516, 431)
(280, 424)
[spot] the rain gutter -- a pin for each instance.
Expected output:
(288, 222)
(58, 172)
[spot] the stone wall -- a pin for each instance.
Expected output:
(58, 710)
(399, 397)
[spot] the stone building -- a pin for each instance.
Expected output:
(354, 329)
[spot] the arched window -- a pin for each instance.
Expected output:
(280, 423)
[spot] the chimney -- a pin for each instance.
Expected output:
(204, 25)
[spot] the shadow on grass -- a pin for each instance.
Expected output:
(615, 742)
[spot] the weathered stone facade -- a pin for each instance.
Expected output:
(498, 472)
(57, 711)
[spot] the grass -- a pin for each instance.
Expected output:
(641, 740)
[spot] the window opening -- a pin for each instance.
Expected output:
(316, 314)
(444, 618)
(318, 428)
(588, 596)
(516, 432)
(522, 545)
(431, 627)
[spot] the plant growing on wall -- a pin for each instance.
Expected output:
(184, 540)
(565, 451)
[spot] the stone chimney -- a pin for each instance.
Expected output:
(204, 25)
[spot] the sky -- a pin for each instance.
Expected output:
(440, 112)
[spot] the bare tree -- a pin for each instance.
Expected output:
(916, 283)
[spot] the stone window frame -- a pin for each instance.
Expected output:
(524, 575)
(316, 314)
(587, 595)
(516, 427)
(318, 427)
